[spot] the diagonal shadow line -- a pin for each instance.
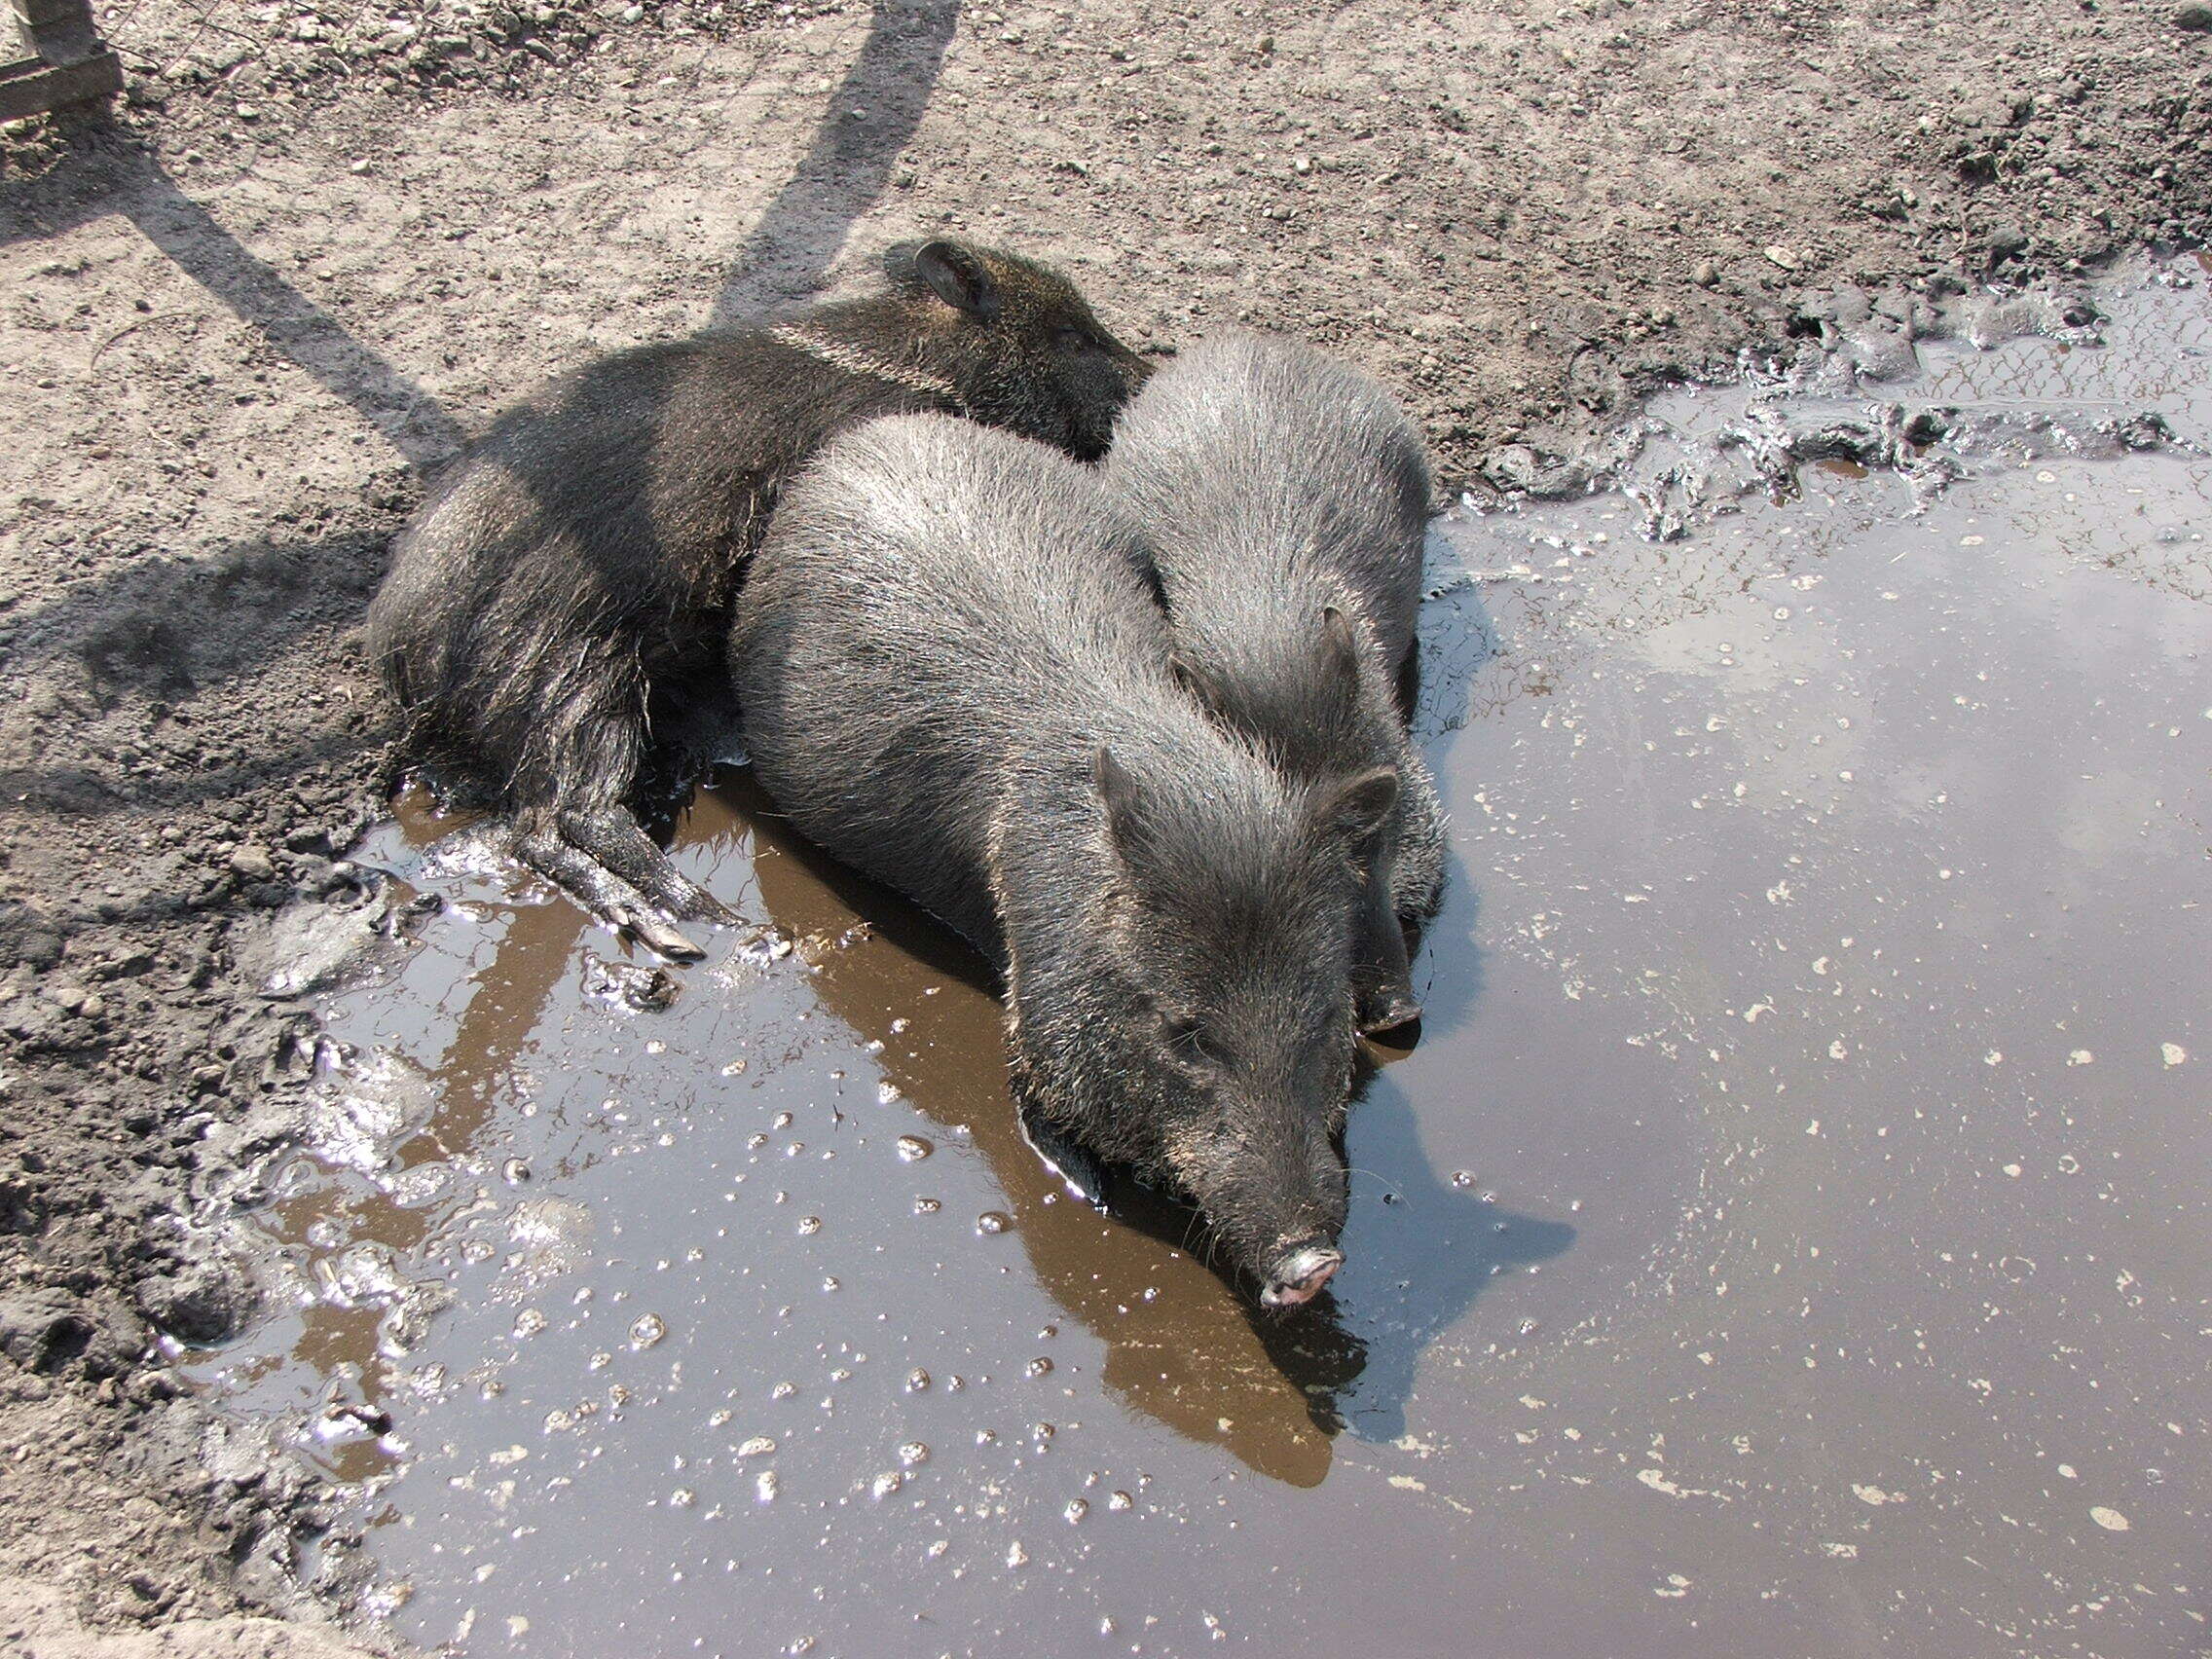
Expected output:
(889, 84)
(870, 118)
(124, 179)
(406, 414)
(785, 256)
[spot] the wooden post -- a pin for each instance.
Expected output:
(50, 55)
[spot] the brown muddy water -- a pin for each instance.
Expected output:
(1789, 1235)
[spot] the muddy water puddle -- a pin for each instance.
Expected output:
(1787, 1235)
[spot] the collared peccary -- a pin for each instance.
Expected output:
(1285, 498)
(955, 676)
(577, 565)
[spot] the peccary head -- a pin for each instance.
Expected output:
(1195, 1020)
(1018, 339)
(1285, 498)
(1322, 710)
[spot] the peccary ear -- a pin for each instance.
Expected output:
(1118, 794)
(1340, 640)
(954, 273)
(1125, 812)
(1200, 682)
(1358, 808)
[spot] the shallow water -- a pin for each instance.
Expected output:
(1787, 1235)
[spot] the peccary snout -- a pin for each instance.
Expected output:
(1276, 1199)
(1300, 1275)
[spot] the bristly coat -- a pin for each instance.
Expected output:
(571, 580)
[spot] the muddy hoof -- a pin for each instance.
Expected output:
(1395, 1015)
(658, 936)
(709, 908)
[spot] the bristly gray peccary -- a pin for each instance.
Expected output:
(955, 676)
(1285, 498)
(571, 578)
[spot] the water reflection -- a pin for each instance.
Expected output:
(1181, 1345)
(1428, 1251)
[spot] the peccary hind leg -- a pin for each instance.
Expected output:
(573, 825)
(601, 891)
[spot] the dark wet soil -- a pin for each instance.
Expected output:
(1785, 1236)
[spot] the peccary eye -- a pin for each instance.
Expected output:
(1187, 1039)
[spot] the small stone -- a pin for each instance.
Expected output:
(1786, 258)
(198, 1305)
(1706, 274)
(252, 863)
(2110, 1519)
(648, 990)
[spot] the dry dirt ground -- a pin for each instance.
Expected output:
(243, 319)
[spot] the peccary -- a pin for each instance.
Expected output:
(956, 677)
(1285, 498)
(576, 568)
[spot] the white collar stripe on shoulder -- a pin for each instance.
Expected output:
(853, 360)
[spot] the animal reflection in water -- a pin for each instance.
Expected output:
(1182, 1346)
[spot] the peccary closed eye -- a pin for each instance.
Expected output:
(1285, 498)
(578, 564)
(955, 676)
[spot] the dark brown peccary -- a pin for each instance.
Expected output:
(573, 575)
(1285, 498)
(956, 677)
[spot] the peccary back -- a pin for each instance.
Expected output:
(579, 562)
(955, 676)
(1285, 498)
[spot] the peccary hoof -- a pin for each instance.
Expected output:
(1395, 1014)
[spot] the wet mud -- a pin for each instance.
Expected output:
(1787, 1234)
